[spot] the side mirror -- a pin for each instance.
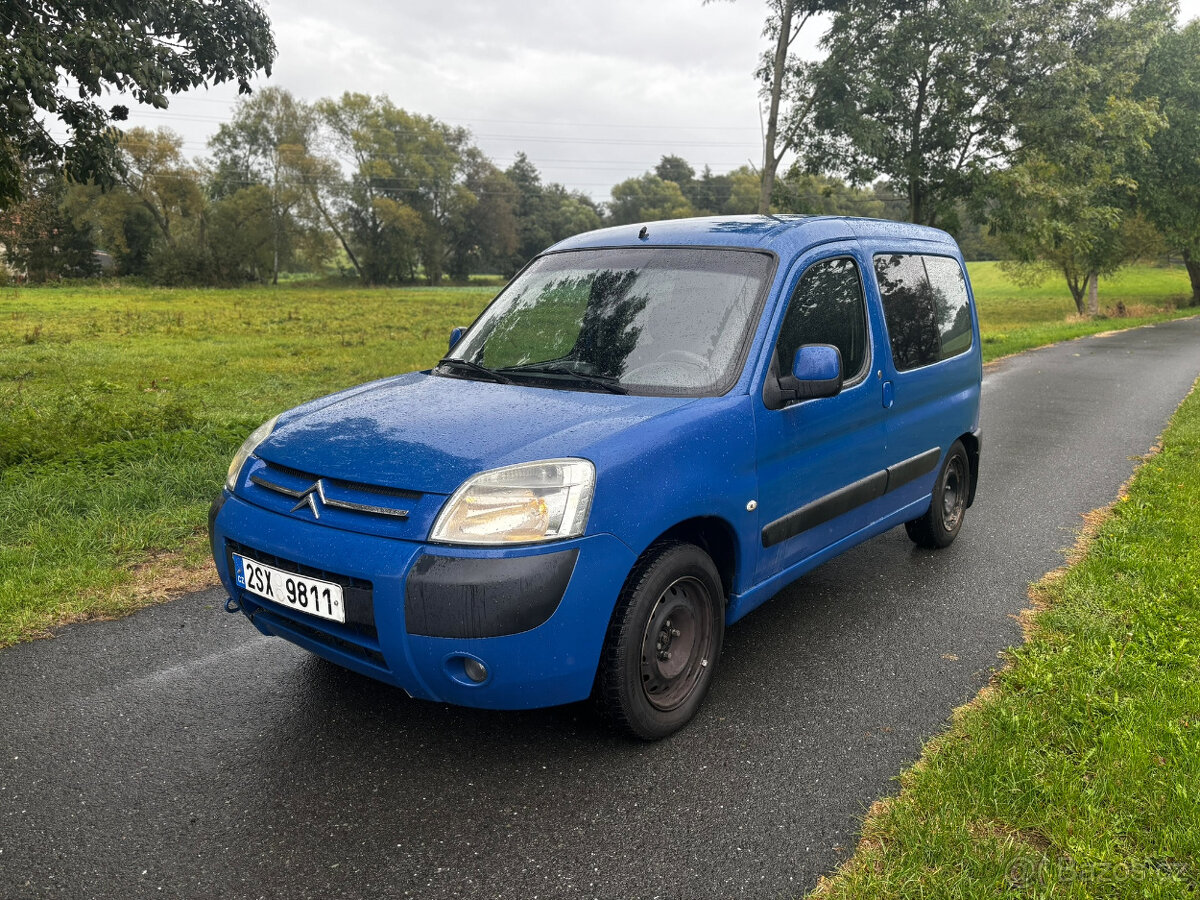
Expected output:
(816, 372)
(456, 335)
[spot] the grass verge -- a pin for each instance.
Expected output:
(120, 408)
(1077, 772)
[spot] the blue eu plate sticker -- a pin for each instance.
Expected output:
(239, 574)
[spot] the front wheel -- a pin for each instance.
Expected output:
(663, 642)
(940, 525)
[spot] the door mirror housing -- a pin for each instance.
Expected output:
(456, 335)
(816, 372)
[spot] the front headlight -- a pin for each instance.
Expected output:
(257, 436)
(538, 501)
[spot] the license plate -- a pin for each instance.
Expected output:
(307, 595)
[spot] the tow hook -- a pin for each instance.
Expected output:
(232, 606)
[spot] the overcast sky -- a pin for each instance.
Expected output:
(593, 93)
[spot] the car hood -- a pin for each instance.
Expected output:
(430, 433)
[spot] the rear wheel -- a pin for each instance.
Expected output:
(663, 642)
(940, 525)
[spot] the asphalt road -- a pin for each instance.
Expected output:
(177, 753)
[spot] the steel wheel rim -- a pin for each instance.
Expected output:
(954, 493)
(677, 643)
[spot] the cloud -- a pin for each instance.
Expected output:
(593, 93)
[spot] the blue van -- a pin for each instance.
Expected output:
(648, 433)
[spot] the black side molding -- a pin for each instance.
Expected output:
(473, 597)
(828, 507)
(913, 468)
(847, 498)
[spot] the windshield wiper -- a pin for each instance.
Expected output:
(607, 384)
(465, 365)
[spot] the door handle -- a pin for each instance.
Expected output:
(889, 395)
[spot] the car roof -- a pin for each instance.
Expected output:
(783, 234)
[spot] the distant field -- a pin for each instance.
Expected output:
(120, 407)
(1014, 318)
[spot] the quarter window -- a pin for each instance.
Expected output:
(950, 301)
(925, 307)
(827, 308)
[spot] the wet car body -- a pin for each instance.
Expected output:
(348, 489)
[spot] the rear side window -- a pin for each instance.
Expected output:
(950, 302)
(827, 308)
(925, 306)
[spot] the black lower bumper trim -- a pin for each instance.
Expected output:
(213, 511)
(473, 597)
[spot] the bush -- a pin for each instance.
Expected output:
(182, 265)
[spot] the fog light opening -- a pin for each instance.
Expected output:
(475, 670)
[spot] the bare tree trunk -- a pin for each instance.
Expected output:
(916, 209)
(1193, 269)
(770, 158)
(1077, 289)
(162, 220)
(275, 264)
(337, 232)
(1093, 289)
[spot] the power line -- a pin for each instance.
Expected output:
(465, 120)
(518, 137)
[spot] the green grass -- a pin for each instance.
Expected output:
(120, 407)
(1078, 774)
(1014, 317)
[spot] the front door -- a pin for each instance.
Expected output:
(819, 461)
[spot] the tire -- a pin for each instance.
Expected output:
(663, 642)
(941, 523)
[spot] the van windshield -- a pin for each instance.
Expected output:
(644, 320)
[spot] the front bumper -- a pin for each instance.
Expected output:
(535, 616)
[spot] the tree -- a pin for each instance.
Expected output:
(41, 241)
(60, 57)
(530, 207)
(1070, 214)
(676, 169)
(1169, 179)
(267, 143)
(544, 213)
(709, 193)
(118, 223)
(1068, 199)
(744, 192)
(154, 171)
(383, 230)
(243, 235)
(924, 103)
(801, 192)
(407, 188)
(153, 219)
(786, 83)
(483, 234)
(570, 212)
(646, 199)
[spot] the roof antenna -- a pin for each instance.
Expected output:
(644, 234)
